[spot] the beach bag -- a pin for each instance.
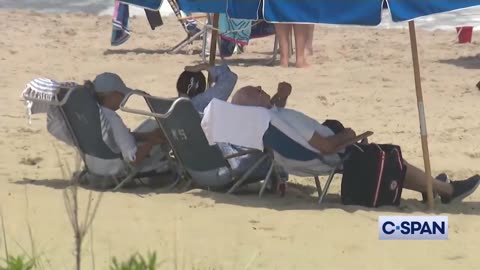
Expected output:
(373, 175)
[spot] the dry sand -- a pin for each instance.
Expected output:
(361, 76)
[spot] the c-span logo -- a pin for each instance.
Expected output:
(413, 227)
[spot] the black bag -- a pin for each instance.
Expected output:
(373, 175)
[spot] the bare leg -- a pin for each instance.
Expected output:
(415, 179)
(309, 45)
(301, 33)
(282, 31)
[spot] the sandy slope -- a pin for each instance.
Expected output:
(360, 76)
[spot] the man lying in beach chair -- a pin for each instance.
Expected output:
(331, 137)
(256, 128)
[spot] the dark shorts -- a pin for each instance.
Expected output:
(335, 125)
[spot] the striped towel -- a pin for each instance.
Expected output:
(120, 30)
(234, 30)
(44, 89)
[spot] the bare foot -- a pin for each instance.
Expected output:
(284, 63)
(302, 64)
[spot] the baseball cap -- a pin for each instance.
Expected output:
(109, 82)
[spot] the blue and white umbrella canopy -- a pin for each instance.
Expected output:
(355, 12)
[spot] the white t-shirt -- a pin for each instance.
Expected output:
(302, 123)
(301, 128)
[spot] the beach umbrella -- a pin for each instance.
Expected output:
(345, 12)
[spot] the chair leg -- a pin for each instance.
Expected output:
(124, 181)
(290, 44)
(267, 179)
(175, 183)
(276, 180)
(204, 45)
(205, 40)
(271, 62)
(186, 41)
(246, 175)
(187, 186)
(327, 185)
(319, 186)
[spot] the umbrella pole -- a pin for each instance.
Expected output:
(421, 113)
(213, 43)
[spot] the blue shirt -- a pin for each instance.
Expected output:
(224, 82)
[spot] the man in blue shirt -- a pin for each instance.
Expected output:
(192, 84)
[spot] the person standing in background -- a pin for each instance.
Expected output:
(301, 32)
(309, 46)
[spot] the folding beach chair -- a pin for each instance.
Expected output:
(81, 114)
(198, 162)
(191, 37)
(289, 149)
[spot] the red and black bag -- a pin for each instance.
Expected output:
(373, 175)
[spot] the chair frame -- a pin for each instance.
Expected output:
(133, 172)
(204, 31)
(182, 171)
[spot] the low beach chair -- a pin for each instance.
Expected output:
(81, 114)
(198, 162)
(290, 150)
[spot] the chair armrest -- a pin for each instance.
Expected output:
(193, 17)
(362, 137)
(124, 108)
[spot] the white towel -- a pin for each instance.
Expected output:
(239, 125)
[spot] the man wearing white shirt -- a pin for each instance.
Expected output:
(330, 137)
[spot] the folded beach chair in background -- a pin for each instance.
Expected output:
(199, 163)
(225, 122)
(189, 24)
(80, 112)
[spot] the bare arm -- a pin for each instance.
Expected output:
(332, 144)
(149, 139)
(279, 101)
(283, 92)
(156, 136)
(225, 81)
(142, 152)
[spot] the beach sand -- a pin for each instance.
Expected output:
(361, 76)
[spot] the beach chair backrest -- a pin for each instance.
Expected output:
(182, 127)
(162, 105)
(82, 115)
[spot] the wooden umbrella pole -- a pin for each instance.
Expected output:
(213, 43)
(421, 113)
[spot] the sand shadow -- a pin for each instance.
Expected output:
(301, 197)
(297, 197)
(157, 187)
(248, 62)
(467, 62)
(148, 51)
(51, 183)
